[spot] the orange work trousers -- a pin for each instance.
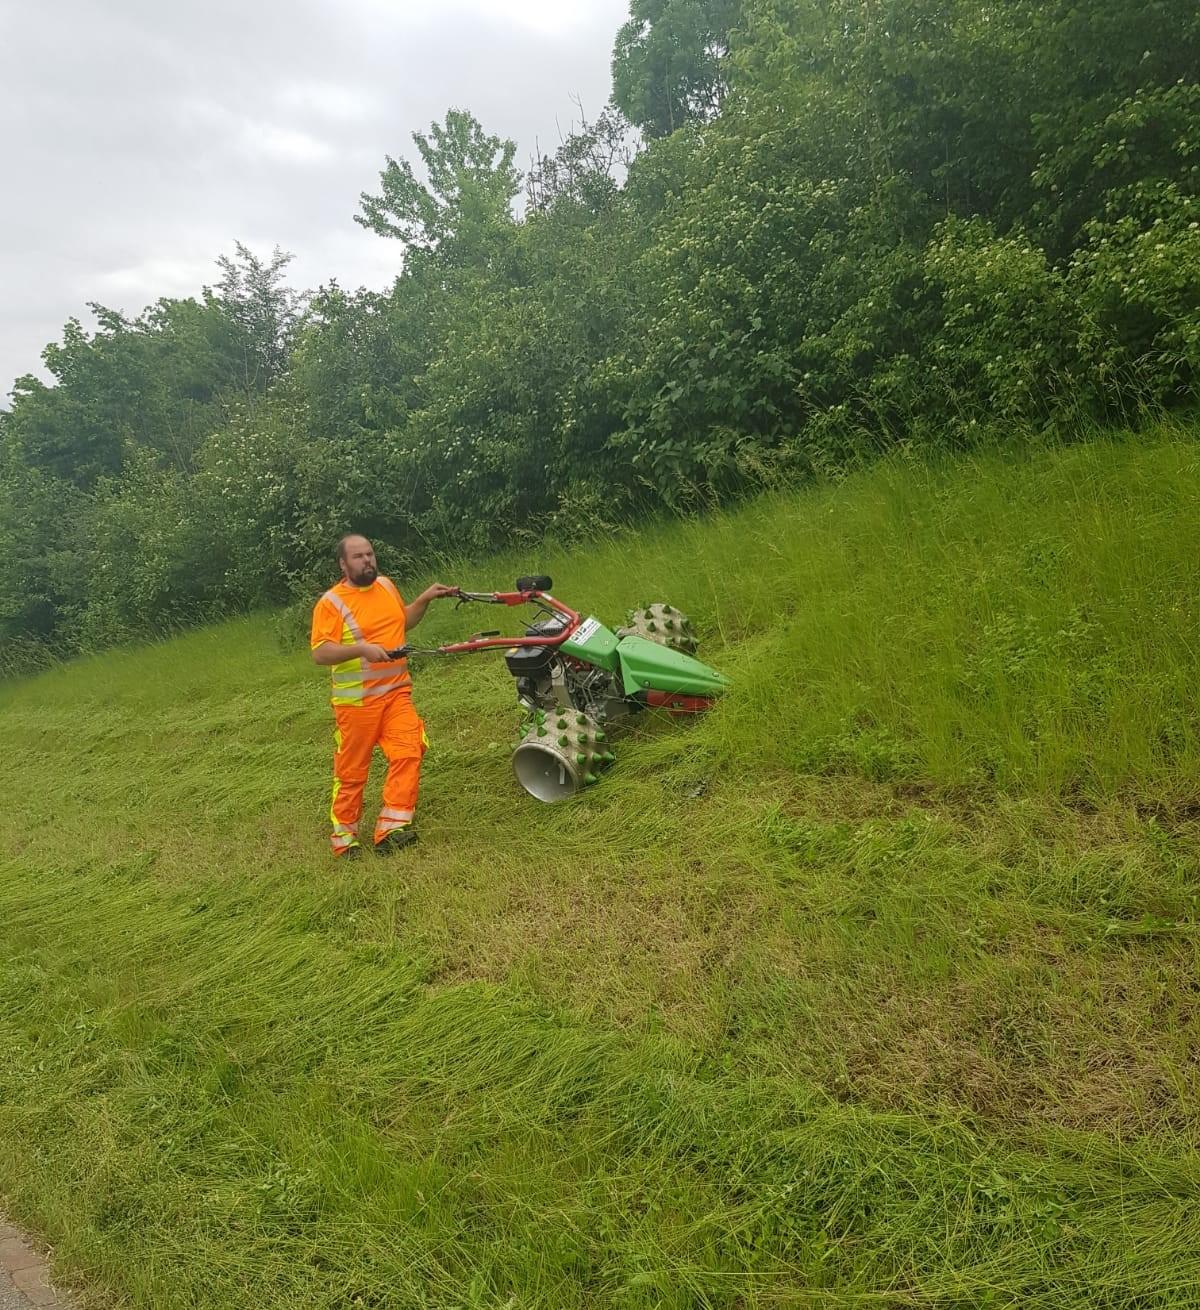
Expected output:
(391, 723)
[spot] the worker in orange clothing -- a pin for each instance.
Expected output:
(354, 625)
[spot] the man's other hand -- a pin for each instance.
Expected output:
(331, 652)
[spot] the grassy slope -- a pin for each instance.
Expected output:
(876, 987)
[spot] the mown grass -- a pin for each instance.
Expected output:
(875, 987)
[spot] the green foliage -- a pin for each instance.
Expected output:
(1138, 283)
(669, 62)
(154, 383)
(472, 183)
(848, 227)
(1124, 114)
(582, 172)
(263, 309)
(357, 360)
(38, 579)
(157, 558)
(935, 95)
(1006, 331)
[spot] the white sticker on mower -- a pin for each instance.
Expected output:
(586, 631)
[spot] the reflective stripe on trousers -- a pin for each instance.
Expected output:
(344, 835)
(390, 819)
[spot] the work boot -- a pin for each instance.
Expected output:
(351, 852)
(396, 840)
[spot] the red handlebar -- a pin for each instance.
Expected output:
(516, 598)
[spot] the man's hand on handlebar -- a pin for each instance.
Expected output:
(414, 611)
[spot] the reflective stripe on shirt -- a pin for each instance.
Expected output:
(351, 695)
(344, 677)
(344, 610)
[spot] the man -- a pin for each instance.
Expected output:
(354, 625)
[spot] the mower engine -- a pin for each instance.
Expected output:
(548, 680)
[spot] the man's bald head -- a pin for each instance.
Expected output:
(344, 543)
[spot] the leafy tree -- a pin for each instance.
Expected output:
(354, 362)
(263, 310)
(472, 184)
(42, 569)
(586, 170)
(76, 430)
(159, 382)
(669, 62)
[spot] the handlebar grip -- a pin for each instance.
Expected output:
(399, 653)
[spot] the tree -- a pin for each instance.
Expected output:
(40, 569)
(78, 428)
(586, 169)
(264, 310)
(669, 62)
(472, 184)
(160, 382)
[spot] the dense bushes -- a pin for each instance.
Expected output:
(850, 225)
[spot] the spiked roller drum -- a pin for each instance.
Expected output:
(663, 624)
(560, 752)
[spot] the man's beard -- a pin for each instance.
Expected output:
(364, 578)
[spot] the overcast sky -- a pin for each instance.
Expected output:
(140, 138)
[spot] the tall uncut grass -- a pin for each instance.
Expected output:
(875, 987)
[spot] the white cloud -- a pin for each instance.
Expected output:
(161, 275)
(546, 16)
(270, 141)
(329, 100)
(551, 16)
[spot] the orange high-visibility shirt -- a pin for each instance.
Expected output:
(346, 614)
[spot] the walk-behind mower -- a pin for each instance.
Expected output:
(575, 678)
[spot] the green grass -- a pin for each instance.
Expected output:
(876, 987)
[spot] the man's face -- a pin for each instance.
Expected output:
(358, 562)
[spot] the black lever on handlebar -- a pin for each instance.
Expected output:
(403, 652)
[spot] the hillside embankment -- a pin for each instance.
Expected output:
(877, 986)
